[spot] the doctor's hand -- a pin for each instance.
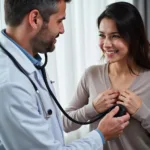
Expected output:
(130, 100)
(105, 100)
(111, 126)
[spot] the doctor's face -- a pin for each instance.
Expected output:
(44, 41)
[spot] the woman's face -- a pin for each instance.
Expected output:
(114, 47)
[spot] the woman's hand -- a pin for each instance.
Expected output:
(130, 100)
(105, 100)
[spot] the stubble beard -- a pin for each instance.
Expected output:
(39, 45)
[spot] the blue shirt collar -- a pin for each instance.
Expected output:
(36, 60)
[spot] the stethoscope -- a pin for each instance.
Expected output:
(42, 68)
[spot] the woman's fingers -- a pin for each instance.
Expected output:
(111, 91)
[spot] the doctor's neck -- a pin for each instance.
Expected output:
(20, 35)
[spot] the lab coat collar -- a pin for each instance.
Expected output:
(17, 54)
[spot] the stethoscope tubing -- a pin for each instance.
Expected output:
(42, 68)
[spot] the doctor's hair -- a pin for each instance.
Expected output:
(16, 10)
(131, 28)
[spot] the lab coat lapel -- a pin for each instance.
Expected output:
(57, 109)
(40, 79)
(58, 114)
(48, 101)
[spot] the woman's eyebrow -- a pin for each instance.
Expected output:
(110, 33)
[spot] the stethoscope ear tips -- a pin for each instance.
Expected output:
(49, 112)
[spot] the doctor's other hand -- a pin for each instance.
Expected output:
(105, 100)
(111, 126)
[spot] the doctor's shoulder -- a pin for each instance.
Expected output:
(11, 76)
(4, 68)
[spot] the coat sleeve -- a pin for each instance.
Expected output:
(79, 108)
(23, 128)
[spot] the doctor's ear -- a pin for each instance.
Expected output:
(35, 19)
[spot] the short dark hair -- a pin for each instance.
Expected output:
(131, 27)
(16, 10)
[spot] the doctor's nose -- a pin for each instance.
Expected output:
(61, 29)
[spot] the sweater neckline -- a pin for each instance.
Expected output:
(108, 82)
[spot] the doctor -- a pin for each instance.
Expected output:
(32, 28)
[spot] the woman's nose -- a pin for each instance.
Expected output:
(107, 42)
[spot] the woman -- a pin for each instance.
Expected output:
(125, 79)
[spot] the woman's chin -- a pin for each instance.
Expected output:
(111, 61)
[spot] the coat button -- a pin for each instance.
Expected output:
(49, 112)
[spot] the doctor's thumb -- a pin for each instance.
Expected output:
(113, 112)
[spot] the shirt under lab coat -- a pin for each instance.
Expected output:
(24, 124)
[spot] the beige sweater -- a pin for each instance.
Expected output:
(94, 81)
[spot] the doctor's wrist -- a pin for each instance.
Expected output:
(101, 135)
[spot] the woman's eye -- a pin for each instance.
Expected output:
(116, 36)
(101, 35)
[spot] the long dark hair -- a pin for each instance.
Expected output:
(131, 27)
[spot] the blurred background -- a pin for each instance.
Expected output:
(78, 48)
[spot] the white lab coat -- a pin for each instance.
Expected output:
(23, 124)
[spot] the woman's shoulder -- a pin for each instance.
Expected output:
(96, 68)
(96, 71)
(145, 74)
